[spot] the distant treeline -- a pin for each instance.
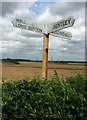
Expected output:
(22, 60)
(66, 62)
(17, 61)
(8, 60)
(69, 62)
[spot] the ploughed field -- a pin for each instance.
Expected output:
(34, 69)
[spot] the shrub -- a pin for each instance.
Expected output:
(79, 83)
(43, 100)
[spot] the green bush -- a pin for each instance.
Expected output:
(79, 83)
(43, 100)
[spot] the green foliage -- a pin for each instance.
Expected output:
(45, 100)
(0, 101)
(79, 83)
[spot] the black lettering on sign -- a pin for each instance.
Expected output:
(21, 26)
(29, 28)
(56, 25)
(63, 23)
(20, 21)
(34, 29)
(69, 21)
(62, 33)
(39, 30)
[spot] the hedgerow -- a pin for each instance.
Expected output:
(45, 100)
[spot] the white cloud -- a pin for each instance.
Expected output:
(73, 0)
(18, 0)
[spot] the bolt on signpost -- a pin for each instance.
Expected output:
(53, 29)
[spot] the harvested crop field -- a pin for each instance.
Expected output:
(34, 69)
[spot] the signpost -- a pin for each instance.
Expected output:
(62, 24)
(52, 29)
(63, 34)
(22, 24)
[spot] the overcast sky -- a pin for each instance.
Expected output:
(18, 43)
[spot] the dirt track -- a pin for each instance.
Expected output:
(32, 69)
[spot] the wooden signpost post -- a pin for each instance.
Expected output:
(45, 56)
(52, 29)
